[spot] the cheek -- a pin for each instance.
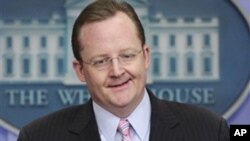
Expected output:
(142, 65)
(94, 78)
(141, 71)
(137, 72)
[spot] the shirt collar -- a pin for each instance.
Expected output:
(106, 121)
(139, 119)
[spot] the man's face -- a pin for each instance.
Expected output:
(120, 85)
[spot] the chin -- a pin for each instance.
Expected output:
(123, 101)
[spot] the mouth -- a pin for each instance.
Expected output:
(119, 84)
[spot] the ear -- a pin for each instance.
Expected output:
(146, 55)
(79, 70)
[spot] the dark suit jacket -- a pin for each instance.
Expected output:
(170, 121)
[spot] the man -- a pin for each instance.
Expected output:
(112, 58)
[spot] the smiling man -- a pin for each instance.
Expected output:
(113, 63)
(112, 58)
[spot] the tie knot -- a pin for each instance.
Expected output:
(123, 128)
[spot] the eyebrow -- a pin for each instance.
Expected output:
(98, 56)
(106, 55)
(129, 49)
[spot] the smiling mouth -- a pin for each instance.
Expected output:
(119, 85)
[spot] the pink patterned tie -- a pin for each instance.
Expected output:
(123, 128)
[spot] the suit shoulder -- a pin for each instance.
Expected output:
(195, 122)
(58, 125)
(56, 119)
(192, 113)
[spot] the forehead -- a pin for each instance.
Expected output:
(118, 28)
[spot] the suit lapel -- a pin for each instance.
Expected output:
(165, 126)
(84, 125)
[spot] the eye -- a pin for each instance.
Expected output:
(99, 62)
(127, 56)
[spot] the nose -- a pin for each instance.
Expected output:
(116, 68)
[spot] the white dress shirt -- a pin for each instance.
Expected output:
(139, 120)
